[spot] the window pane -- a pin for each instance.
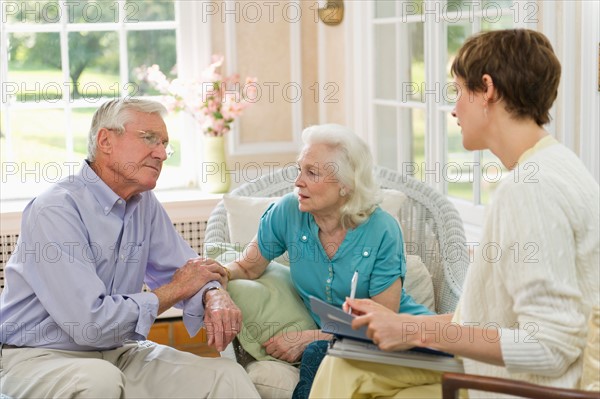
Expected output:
(171, 175)
(94, 64)
(81, 120)
(37, 156)
(453, 10)
(405, 135)
(149, 10)
(31, 12)
(418, 137)
(92, 11)
(493, 22)
(494, 4)
(409, 7)
(387, 132)
(385, 61)
(385, 9)
(457, 34)
(417, 63)
(149, 48)
(458, 170)
(34, 67)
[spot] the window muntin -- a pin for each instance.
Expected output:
(61, 61)
(412, 95)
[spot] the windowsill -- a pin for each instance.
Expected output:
(185, 195)
(181, 205)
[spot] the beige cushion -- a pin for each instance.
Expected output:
(590, 379)
(417, 282)
(273, 379)
(243, 215)
(392, 201)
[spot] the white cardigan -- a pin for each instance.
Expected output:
(536, 270)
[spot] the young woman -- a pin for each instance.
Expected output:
(523, 313)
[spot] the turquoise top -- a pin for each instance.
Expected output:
(375, 249)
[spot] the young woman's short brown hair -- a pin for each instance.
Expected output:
(522, 64)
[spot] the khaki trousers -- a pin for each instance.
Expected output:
(136, 370)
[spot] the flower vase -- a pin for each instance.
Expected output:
(215, 176)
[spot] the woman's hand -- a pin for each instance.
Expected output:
(367, 306)
(289, 347)
(389, 330)
(224, 277)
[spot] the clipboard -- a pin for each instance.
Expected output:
(354, 344)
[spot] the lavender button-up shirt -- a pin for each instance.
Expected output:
(75, 279)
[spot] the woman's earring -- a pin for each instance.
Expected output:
(485, 109)
(342, 192)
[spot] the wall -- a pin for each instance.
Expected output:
(299, 65)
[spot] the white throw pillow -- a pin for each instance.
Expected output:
(417, 282)
(392, 201)
(243, 216)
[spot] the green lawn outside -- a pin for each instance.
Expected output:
(48, 84)
(39, 135)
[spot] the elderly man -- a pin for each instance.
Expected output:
(73, 319)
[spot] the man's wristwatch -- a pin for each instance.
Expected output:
(206, 292)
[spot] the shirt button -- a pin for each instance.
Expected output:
(366, 253)
(122, 257)
(106, 209)
(329, 280)
(119, 202)
(304, 238)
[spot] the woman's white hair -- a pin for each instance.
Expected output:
(114, 114)
(353, 167)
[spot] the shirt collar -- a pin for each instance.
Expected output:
(105, 196)
(542, 143)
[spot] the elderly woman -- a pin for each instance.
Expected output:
(538, 294)
(335, 227)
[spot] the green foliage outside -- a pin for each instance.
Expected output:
(35, 73)
(89, 52)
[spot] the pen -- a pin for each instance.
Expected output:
(353, 289)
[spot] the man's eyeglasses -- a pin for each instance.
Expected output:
(152, 140)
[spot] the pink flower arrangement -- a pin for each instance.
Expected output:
(214, 101)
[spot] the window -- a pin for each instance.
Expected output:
(412, 45)
(60, 60)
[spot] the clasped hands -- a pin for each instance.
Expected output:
(222, 318)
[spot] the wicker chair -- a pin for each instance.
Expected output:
(431, 226)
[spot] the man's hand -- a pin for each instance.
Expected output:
(291, 349)
(195, 274)
(187, 281)
(222, 318)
